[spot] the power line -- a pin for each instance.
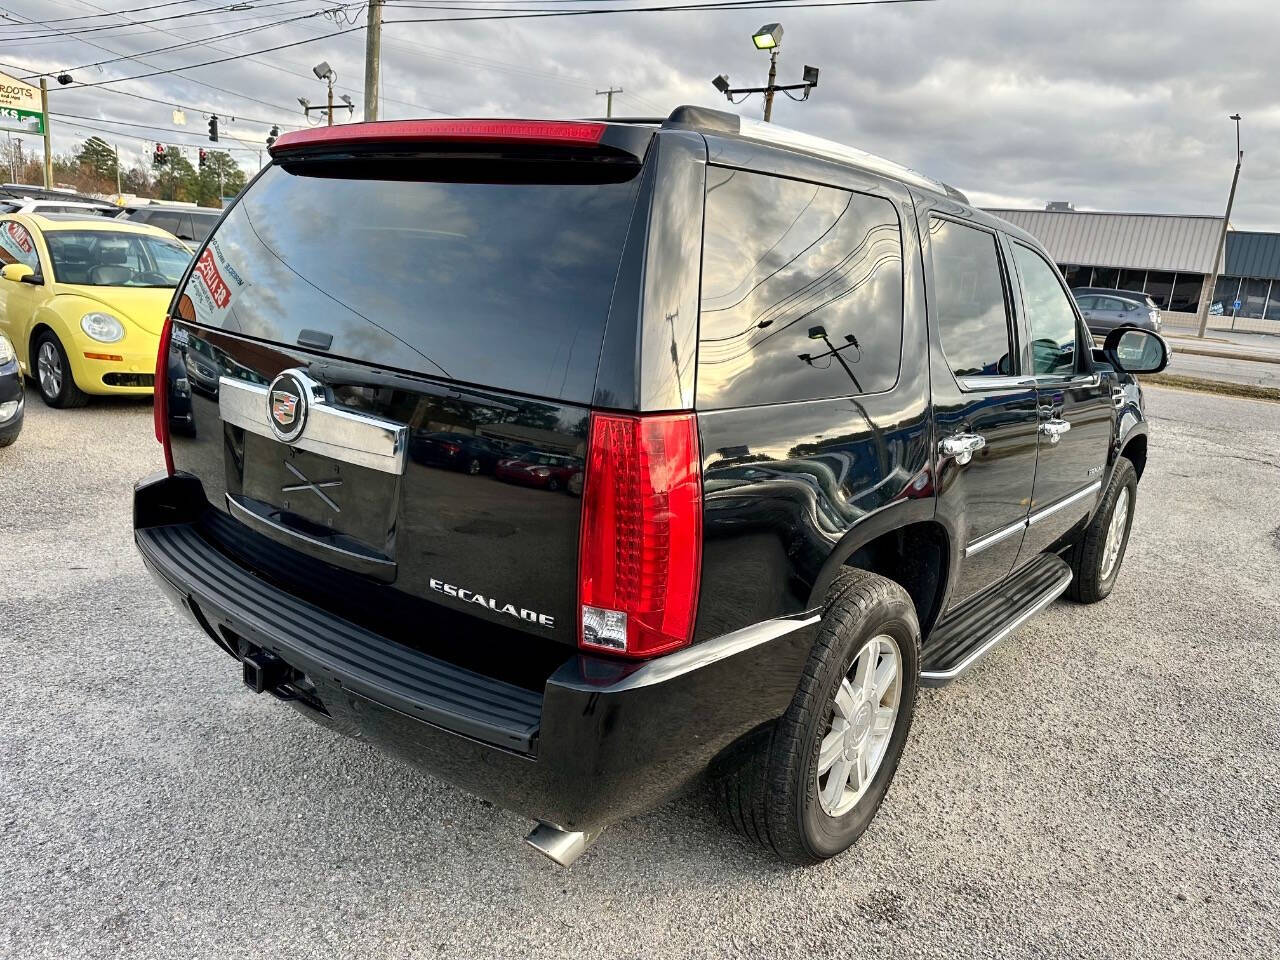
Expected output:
(282, 69)
(202, 83)
(174, 103)
(154, 6)
(54, 34)
(239, 56)
(255, 144)
(190, 43)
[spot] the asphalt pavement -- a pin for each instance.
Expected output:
(1105, 784)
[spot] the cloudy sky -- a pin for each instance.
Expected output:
(1115, 105)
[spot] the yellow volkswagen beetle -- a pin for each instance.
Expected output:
(83, 301)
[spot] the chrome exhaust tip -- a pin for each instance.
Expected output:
(558, 845)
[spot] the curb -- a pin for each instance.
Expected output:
(1246, 391)
(1222, 354)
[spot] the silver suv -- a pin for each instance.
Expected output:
(1104, 309)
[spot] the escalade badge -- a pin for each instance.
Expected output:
(287, 406)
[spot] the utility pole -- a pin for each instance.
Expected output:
(1211, 281)
(48, 150)
(372, 60)
(608, 104)
(329, 112)
(769, 90)
(118, 190)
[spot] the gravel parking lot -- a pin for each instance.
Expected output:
(1107, 783)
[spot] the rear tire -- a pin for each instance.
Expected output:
(779, 790)
(54, 380)
(1097, 557)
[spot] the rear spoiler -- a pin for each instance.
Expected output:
(561, 135)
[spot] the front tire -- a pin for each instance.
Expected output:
(53, 374)
(1096, 559)
(810, 788)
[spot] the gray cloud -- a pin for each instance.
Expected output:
(1119, 106)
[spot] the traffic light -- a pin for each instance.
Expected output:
(203, 154)
(158, 159)
(213, 128)
(271, 137)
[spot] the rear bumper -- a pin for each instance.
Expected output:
(602, 741)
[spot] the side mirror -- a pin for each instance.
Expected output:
(20, 273)
(1134, 350)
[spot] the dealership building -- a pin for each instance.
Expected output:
(1167, 256)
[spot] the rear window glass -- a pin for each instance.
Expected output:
(801, 292)
(499, 284)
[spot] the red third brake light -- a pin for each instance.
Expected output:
(641, 549)
(564, 133)
(160, 403)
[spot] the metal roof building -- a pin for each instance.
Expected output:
(1134, 240)
(1252, 254)
(1167, 256)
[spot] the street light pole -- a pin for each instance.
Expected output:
(1211, 281)
(329, 112)
(771, 86)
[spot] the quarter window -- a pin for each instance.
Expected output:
(17, 246)
(801, 292)
(969, 303)
(1052, 321)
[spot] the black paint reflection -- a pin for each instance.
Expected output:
(788, 268)
(495, 283)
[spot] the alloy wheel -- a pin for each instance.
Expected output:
(49, 367)
(1115, 534)
(863, 715)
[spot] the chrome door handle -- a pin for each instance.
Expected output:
(962, 446)
(1054, 429)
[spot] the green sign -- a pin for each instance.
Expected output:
(20, 106)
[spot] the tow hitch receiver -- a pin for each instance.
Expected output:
(264, 671)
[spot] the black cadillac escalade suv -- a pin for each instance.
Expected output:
(836, 433)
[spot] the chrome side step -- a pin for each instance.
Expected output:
(970, 631)
(559, 845)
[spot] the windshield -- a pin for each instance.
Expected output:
(100, 258)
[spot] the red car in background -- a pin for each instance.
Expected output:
(547, 471)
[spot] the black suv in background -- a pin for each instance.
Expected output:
(192, 224)
(841, 433)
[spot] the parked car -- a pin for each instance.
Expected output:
(1104, 310)
(83, 301)
(458, 451)
(547, 471)
(76, 208)
(907, 481)
(11, 393)
(192, 224)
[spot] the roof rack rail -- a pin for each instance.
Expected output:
(707, 120)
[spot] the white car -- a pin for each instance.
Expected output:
(27, 205)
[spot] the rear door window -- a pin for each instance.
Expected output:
(503, 284)
(801, 292)
(970, 304)
(1049, 314)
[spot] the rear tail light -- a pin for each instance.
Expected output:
(160, 406)
(641, 552)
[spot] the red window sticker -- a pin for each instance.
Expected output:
(207, 270)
